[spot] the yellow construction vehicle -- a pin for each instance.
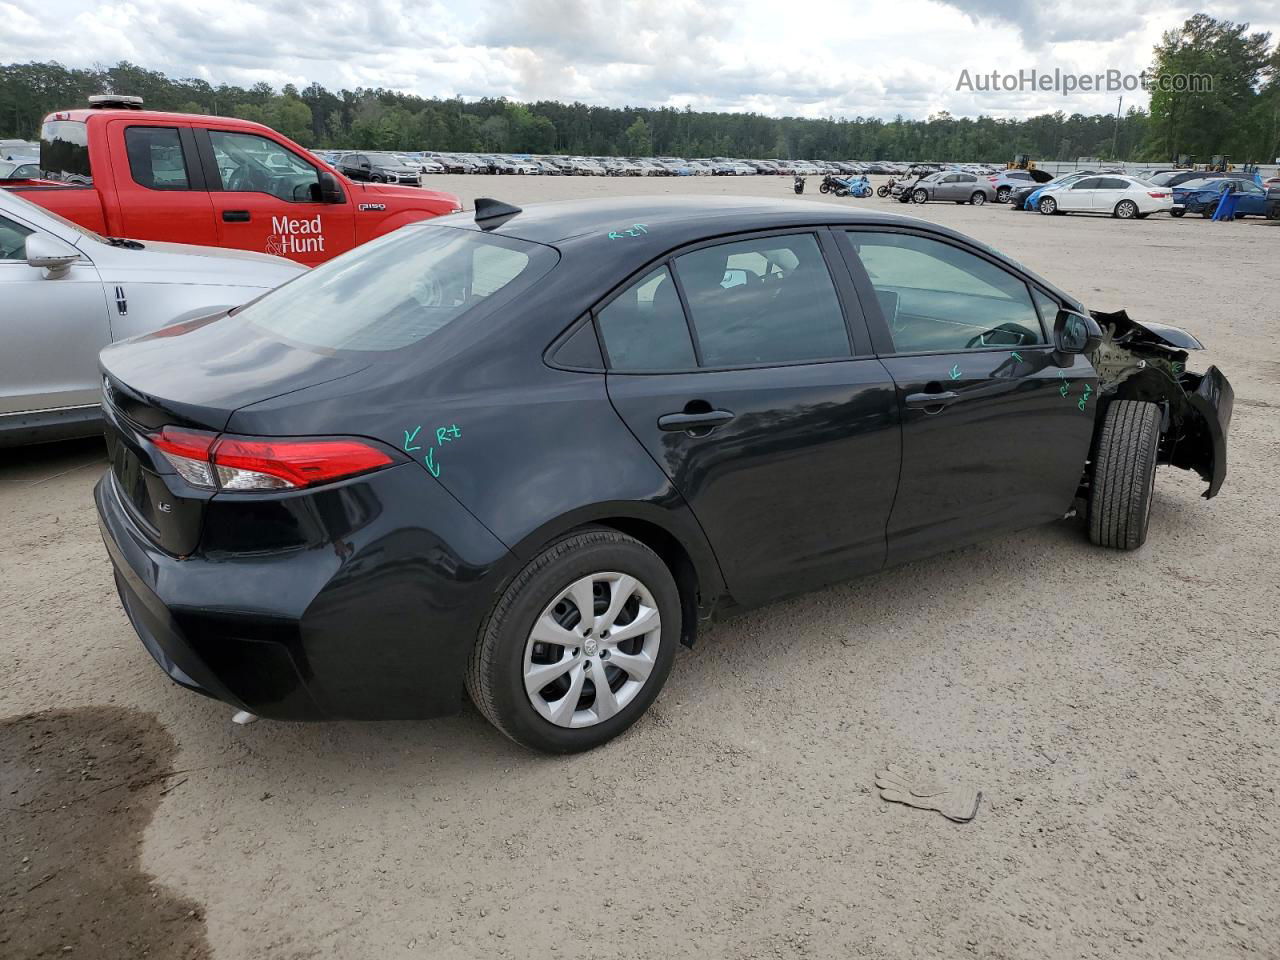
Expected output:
(1021, 161)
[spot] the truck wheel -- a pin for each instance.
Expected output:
(1124, 475)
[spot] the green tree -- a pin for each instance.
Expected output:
(637, 140)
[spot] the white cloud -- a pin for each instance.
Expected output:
(822, 58)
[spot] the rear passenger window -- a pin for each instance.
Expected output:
(938, 297)
(155, 158)
(644, 327)
(767, 300)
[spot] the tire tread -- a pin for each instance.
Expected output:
(1128, 445)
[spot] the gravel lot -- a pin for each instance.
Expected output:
(1119, 712)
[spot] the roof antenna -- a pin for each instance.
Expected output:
(492, 213)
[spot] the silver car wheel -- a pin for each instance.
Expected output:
(591, 650)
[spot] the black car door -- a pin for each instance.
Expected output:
(995, 432)
(737, 368)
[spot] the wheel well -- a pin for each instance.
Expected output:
(677, 559)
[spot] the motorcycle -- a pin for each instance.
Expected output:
(846, 186)
(885, 188)
(798, 185)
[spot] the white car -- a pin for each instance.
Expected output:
(67, 293)
(1117, 196)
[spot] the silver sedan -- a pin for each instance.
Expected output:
(68, 292)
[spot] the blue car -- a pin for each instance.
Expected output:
(1202, 197)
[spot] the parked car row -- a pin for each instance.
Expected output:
(388, 167)
(1106, 192)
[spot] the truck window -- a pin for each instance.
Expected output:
(64, 151)
(250, 163)
(155, 158)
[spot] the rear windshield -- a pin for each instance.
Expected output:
(64, 151)
(392, 292)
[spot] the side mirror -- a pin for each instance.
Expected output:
(330, 188)
(1075, 333)
(50, 254)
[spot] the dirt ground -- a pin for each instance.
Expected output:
(1119, 713)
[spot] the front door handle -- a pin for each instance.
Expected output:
(697, 423)
(921, 401)
(235, 216)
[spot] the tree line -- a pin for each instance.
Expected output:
(1240, 115)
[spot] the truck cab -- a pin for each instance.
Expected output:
(216, 181)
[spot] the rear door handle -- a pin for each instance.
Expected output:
(235, 216)
(920, 401)
(707, 421)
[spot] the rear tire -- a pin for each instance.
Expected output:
(1125, 210)
(1124, 474)
(978, 198)
(496, 673)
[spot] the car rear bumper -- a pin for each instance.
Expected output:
(377, 623)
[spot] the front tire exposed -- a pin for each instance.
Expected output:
(556, 680)
(1124, 474)
(920, 196)
(1002, 194)
(1048, 206)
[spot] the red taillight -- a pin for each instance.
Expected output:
(1157, 196)
(249, 464)
(261, 463)
(188, 451)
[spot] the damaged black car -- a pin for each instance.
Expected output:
(527, 452)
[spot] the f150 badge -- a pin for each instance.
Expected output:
(294, 235)
(365, 207)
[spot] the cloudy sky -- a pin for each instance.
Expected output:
(817, 58)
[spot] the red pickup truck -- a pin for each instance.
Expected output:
(215, 181)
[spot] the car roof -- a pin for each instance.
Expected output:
(584, 226)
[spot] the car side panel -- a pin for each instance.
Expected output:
(529, 461)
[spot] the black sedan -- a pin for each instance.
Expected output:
(529, 452)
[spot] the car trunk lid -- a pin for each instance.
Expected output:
(215, 368)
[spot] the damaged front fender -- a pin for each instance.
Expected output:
(1148, 362)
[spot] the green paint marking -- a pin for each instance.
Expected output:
(431, 464)
(1017, 356)
(635, 230)
(409, 438)
(955, 372)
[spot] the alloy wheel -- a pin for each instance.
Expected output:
(592, 649)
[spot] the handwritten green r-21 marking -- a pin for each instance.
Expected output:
(635, 230)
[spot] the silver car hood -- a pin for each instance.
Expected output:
(161, 262)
